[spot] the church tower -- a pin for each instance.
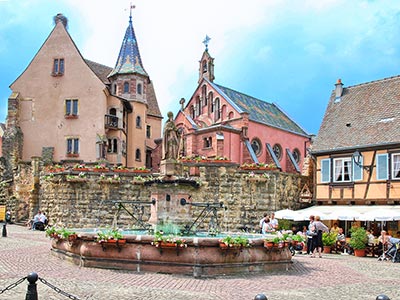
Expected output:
(130, 82)
(206, 69)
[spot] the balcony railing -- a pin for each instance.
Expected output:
(111, 121)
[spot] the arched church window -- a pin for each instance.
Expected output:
(138, 122)
(139, 88)
(126, 87)
(204, 66)
(137, 155)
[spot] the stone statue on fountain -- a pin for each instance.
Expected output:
(170, 148)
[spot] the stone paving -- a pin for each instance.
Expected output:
(333, 277)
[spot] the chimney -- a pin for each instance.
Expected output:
(61, 18)
(338, 90)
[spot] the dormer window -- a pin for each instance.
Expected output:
(139, 89)
(58, 67)
(126, 87)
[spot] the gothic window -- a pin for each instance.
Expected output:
(58, 67)
(217, 109)
(204, 94)
(137, 155)
(126, 87)
(139, 88)
(256, 145)
(278, 151)
(198, 106)
(192, 111)
(138, 122)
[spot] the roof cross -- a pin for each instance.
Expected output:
(206, 41)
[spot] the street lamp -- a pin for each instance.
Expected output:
(357, 158)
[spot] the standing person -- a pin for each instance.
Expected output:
(267, 226)
(317, 239)
(262, 221)
(273, 221)
(309, 234)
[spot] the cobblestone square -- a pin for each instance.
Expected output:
(333, 277)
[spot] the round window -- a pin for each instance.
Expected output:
(296, 155)
(256, 145)
(278, 151)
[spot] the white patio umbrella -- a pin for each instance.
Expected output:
(380, 214)
(286, 214)
(304, 215)
(344, 215)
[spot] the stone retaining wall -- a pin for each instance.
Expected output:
(247, 195)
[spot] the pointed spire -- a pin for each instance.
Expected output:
(129, 60)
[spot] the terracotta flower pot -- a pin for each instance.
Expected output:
(359, 252)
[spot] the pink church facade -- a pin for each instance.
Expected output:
(220, 122)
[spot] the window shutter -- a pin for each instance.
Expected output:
(325, 170)
(358, 170)
(382, 167)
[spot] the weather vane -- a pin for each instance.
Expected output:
(130, 10)
(206, 41)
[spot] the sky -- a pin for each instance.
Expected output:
(286, 52)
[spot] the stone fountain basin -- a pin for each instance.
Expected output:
(202, 257)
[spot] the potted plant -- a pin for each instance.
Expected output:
(170, 241)
(268, 243)
(100, 167)
(237, 242)
(80, 168)
(358, 240)
(110, 236)
(328, 240)
(120, 169)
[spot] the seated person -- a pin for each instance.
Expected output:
(38, 221)
(371, 238)
(335, 228)
(383, 242)
(340, 240)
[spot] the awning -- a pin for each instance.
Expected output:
(348, 212)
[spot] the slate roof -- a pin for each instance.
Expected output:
(261, 111)
(100, 70)
(153, 108)
(129, 60)
(367, 115)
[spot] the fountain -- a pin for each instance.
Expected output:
(171, 203)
